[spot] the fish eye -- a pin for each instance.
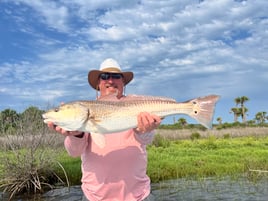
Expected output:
(56, 109)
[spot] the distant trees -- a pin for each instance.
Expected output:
(8, 120)
(219, 120)
(261, 117)
(182, 122)
(240, 109)
(11, 121)
(33, 116)
(236, 112)
(241, 101)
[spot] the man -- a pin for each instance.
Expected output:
(117, 171)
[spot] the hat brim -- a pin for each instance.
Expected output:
(93, 77)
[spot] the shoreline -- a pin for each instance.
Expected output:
(182, 134)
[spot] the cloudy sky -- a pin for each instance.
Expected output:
(177, 48)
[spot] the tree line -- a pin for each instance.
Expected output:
(239, 111)
(11, 121)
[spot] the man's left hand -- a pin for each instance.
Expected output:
(147, 122)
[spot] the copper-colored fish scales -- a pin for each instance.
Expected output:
(106, 116)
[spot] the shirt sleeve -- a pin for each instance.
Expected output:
(145, 138)
(75, 146)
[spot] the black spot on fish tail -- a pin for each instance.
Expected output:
(205, 109)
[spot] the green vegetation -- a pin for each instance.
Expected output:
(72, 167)
(28, 152)
(193, 158)
(207, 157)
(25, 172)
(33, 158)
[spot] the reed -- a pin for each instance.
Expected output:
(27, 158)
(30, 163)
(181, 134)
(71, 165)
(207, 157)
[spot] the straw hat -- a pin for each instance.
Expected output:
(108, 66)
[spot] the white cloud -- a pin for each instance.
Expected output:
(52, 14)
(176, 48)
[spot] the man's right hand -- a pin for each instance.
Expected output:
(64, 132)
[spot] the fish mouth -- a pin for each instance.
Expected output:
(46, 119)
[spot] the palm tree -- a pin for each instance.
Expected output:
(182, 122)
(261, 117)
(219, 119)
(237, 112)
(241, 101)
(244, 109)
(237, 101)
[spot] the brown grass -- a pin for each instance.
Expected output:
(231, 132)
(28, 158)
(11, 142)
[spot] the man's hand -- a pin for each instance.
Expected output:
(147, 122)
(64, 132)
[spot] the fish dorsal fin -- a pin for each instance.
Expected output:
(98, 139)
(134, 97)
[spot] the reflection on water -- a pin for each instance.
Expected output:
(211, 189)
(182, 190)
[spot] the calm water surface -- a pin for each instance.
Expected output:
(208, 189)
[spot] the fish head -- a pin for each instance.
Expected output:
(70, 117)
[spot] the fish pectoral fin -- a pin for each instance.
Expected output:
(98, 139)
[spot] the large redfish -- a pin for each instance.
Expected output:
(106, 116)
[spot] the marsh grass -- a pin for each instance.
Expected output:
(207, 157)
(72, 167)
(33, 161)
(28, 159)
(26, 174)
(182, 134)
(196, 158)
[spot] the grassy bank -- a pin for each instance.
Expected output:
(198, 155)
(194, 158)
(207, 157)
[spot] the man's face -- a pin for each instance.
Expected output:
(111, 83)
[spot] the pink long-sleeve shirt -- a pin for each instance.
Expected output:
(116, 172)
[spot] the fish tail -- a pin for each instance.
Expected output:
(203, 109)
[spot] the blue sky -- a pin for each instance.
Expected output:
(177, 48)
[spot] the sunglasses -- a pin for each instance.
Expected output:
(107, 76)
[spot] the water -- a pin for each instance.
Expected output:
(211, 189)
